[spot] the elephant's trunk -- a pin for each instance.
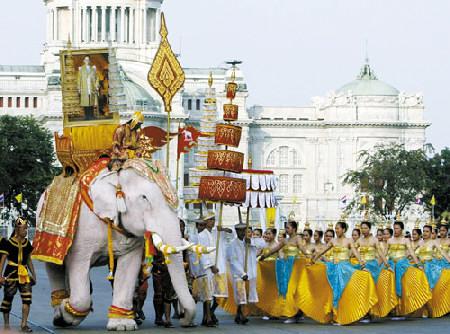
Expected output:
(178, 277)
(172, 236)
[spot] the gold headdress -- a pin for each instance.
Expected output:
(357, 226)
(366, 216)
(417, 224)
(388, 224)
(21, 221)
(138, 117)
(398, 217)
(343, 218)
(307, 225)
(291, 216)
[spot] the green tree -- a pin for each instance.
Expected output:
(439, 176)
(391, 176)
(26, 159)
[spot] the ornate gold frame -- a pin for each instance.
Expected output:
(68, 90)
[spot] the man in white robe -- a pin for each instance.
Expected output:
(241, 256)
(213, 267)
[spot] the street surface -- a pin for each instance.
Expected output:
(41, 317)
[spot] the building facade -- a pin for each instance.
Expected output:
(309, 148)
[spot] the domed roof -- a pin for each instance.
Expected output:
(367, 84)
(137, 95)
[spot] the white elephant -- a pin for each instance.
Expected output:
(146, 210)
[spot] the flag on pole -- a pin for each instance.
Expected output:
(158, 135)
(187, 138)
(433, 201)
(19, 198)
(2, 198)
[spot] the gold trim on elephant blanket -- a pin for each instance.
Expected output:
(57, 221)
(153, 170)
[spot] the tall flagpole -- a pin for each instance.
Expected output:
(166, 76)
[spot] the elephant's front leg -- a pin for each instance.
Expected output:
(76, 308)
(121, 314)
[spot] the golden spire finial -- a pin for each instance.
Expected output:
(163, 30)
(250, 162)
(233, 74)
(69, 42)
(210, 79)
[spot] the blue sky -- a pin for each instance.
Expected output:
(292, 49)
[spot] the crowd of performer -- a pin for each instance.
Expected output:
(291, 274)
(287, 274)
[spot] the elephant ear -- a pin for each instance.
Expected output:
(155, 172)
(103, 194)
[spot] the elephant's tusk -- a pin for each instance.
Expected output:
(199, 249)
(184, 247)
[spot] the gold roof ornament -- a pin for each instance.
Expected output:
(210, 79)
(166, 76)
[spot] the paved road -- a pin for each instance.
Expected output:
(41, 315)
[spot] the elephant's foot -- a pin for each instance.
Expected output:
(121, 324)
(66, 316)
(187, 320)
(58, 319)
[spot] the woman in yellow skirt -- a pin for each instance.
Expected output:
(371, 253)
(266, 283)
(337, 290)
(411, 285)
(437, 270)
(287, 273)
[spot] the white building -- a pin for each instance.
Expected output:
(310, 148)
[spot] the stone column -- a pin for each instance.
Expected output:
(133, 25)
(112, 26)
(122, 24)
(85, 25)
(138, 25)
(95, 24)
(103, 35)
(144, 27)
(49, 25)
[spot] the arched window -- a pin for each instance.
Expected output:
(284, 156)
(271, 159)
